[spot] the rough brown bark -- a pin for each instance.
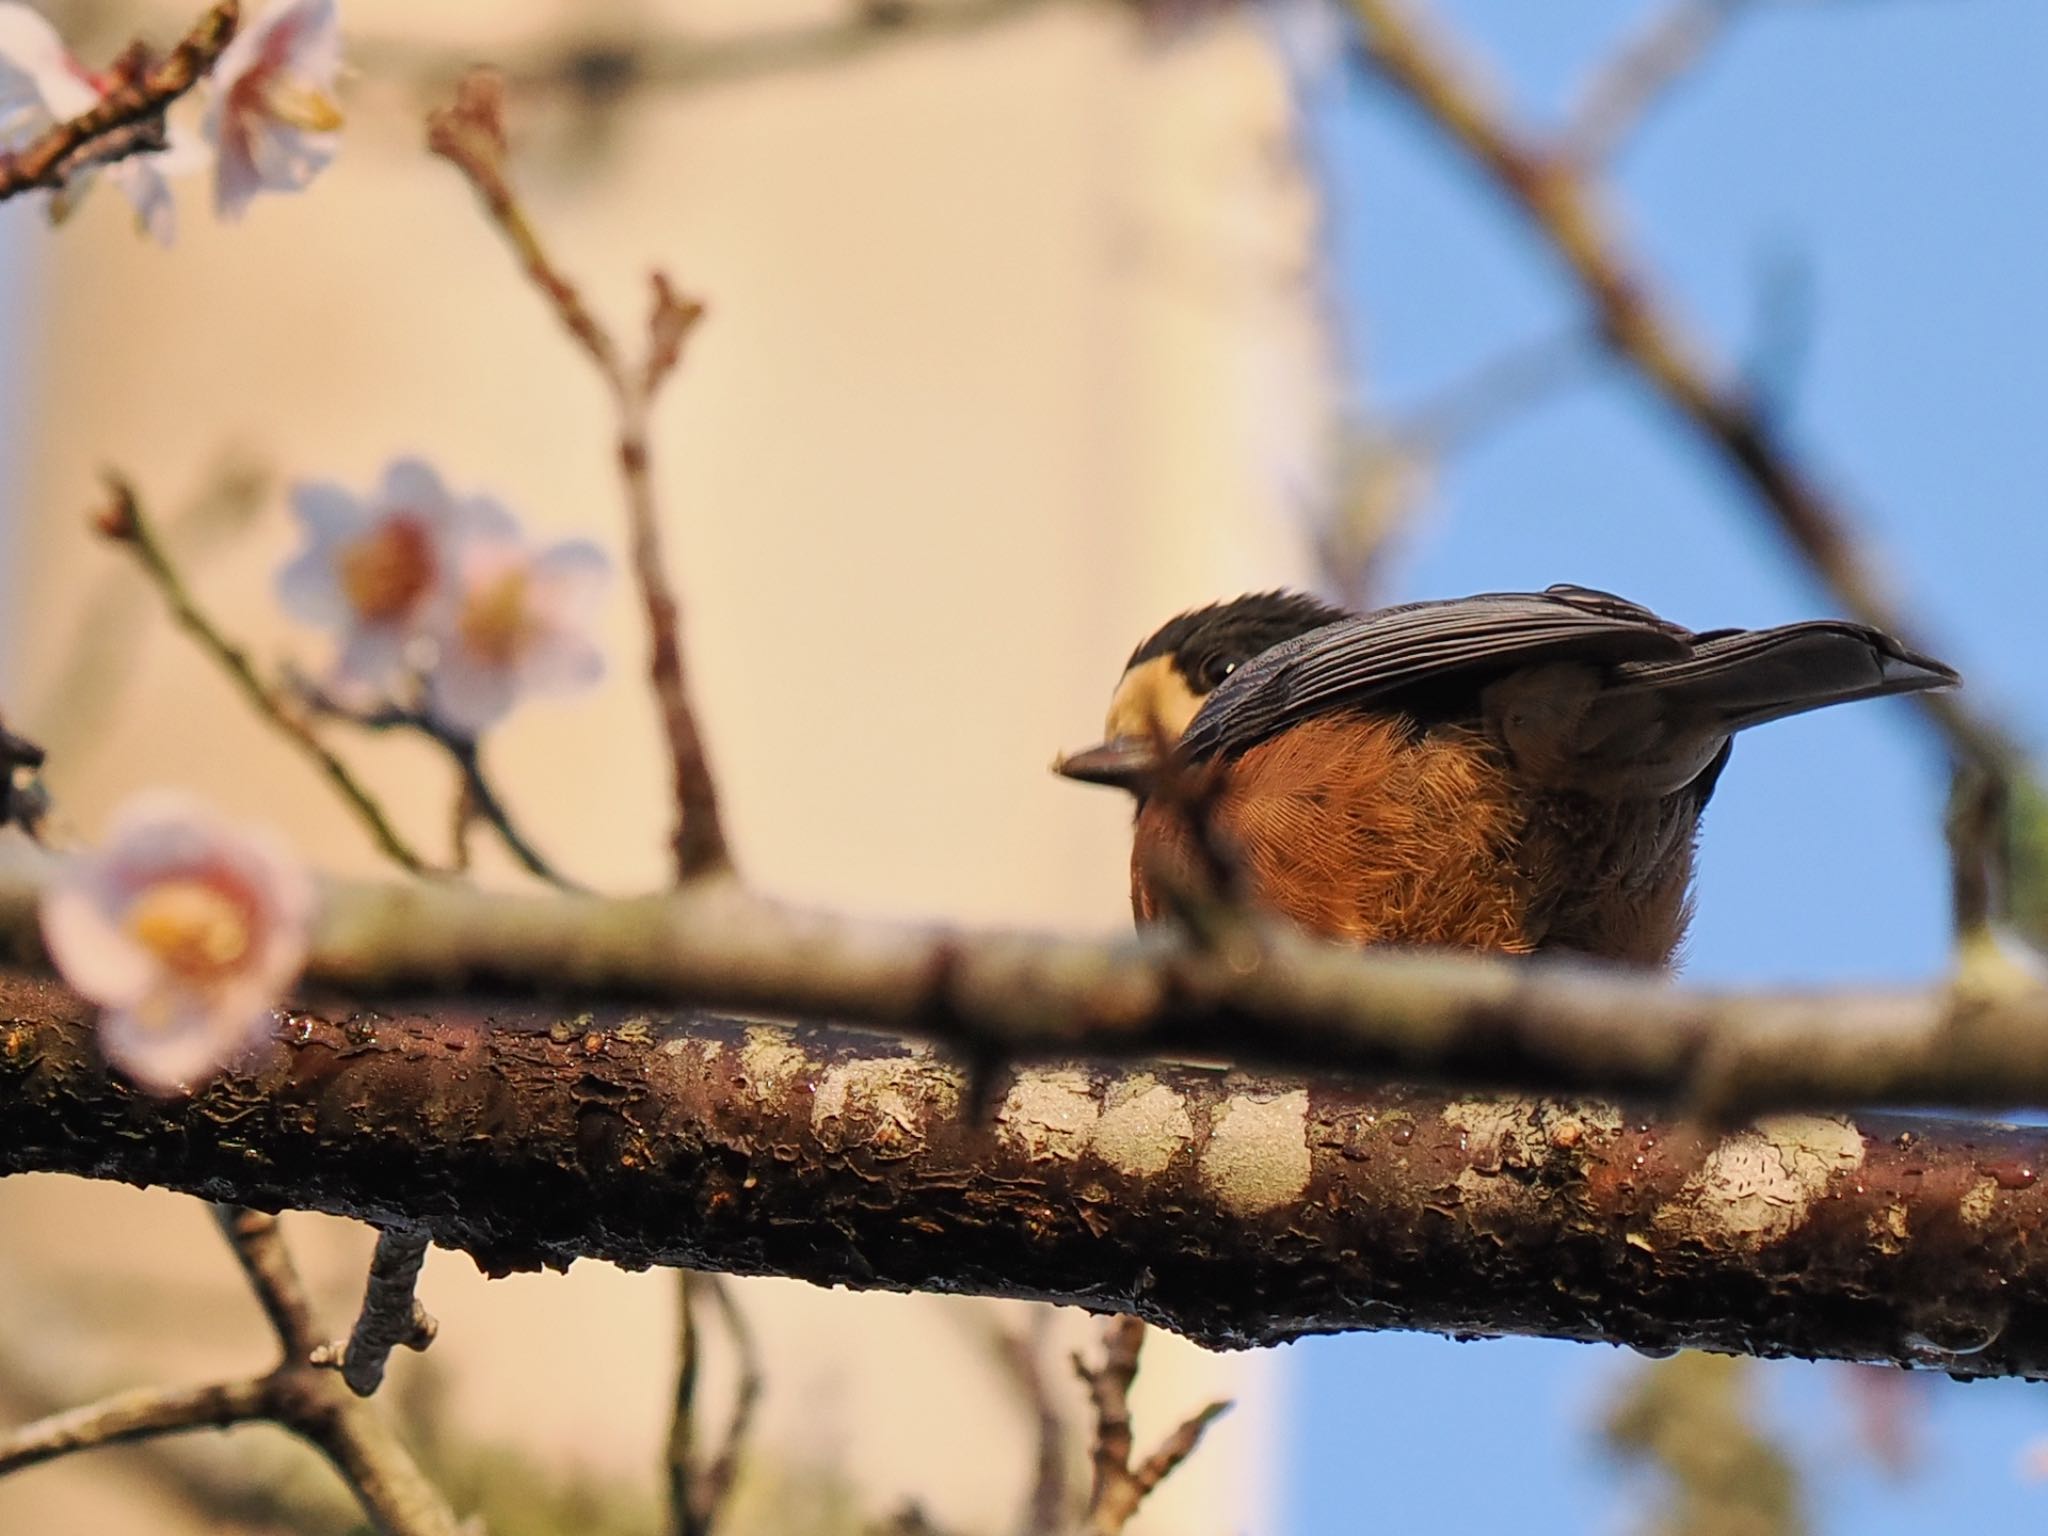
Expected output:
(1236, 1209)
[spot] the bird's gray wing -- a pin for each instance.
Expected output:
(1421, 653)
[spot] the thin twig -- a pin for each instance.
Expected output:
(698, 1494)
(1022, 1354)
(257, 1242)
(295, 1395)
(123, 522)
(1510, 381)
(1979, 805)
(142, 1414)
(478, 799)
(1118, 1487)
(391, 1315)
(679, 1453)
(128, 118)
(1628, 88)
(1564, 208)
(600, 68)
(470, 135)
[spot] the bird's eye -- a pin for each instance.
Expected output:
(1218, 668)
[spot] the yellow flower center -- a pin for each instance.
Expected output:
(197, 928)
(495, 623)
(298, 105)
(386, 571)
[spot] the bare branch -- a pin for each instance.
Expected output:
(313, 1404)
(1119, 1488)
(1642, 74)
(698, 1493)
(601, 68)
(123, 522)
(1022, 1353)
(391, 1315)
(128, 118)
(137, 1415)
(1565, 210)
(257, 1242)
(470, 135)
(478, 798)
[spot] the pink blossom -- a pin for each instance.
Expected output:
(186, 929)
(273, 119)
(380, 570)
(520, 624)
(42, 84)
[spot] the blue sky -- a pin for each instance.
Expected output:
(1892, 153)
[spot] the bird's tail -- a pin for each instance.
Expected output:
(1745, 677)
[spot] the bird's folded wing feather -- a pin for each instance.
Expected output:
(1402, 651)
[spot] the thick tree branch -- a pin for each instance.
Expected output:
(1265, 994)
(1235, 1208)
(1268, 995)
(128, 119)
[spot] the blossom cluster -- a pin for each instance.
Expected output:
(440, 602)
(270, 121)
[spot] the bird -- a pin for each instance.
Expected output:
(1510, 771)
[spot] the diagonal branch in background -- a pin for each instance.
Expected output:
(1625, 90)
(128, 119)
(123, 522)
(1233, 1207)
(1563, 206)
(470, 135)
(294, 1395)
(1119, 1488)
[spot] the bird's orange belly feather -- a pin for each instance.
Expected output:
(1358, 828)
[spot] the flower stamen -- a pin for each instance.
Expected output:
(197, 927)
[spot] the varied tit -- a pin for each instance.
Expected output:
(1512, 771)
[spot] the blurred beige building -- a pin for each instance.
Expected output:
(1013, 351)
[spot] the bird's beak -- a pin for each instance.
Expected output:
(1122, 762)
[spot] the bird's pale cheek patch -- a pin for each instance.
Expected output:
(1151, 693)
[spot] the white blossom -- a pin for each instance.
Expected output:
(519, 625)
(273, 120)
(186, 929)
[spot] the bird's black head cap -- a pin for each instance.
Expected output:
(1209, 643)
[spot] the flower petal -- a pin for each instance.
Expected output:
(31, 51)
(467, 698)
(564, 661)
(412, 485)
(171, 1042)
(87, 945)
